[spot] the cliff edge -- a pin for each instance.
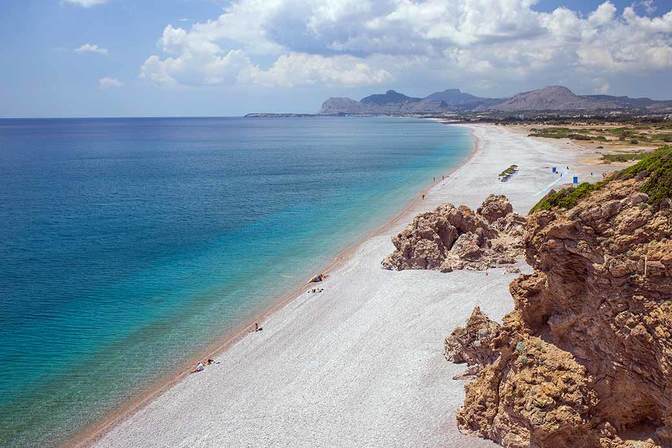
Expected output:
(585, 358)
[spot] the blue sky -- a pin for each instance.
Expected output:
(206, 57)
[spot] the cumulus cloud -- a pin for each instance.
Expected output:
(304, 69)
(648, 6)
(91, 48)
(193, 60)
(85, 3)
(109, 83)
(362, 42)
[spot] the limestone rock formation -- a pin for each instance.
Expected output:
(495, 207)
(585, 359)
(451, 238)
(466, 345)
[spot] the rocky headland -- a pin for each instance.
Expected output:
(452, 238)
(585, 358)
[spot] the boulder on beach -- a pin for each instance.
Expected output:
(451, 238)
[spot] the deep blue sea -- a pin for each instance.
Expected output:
(128, 245)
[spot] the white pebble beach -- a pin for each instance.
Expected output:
(360, 364)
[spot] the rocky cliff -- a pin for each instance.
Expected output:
(585, 359)
(451, 238)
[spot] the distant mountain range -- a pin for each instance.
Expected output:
(552, 98)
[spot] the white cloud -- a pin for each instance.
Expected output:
(603, 14)
(359, 42)
(85, 3)
(648, 6)
(196, 68)
(91, 48)
(109, 83)
(305, 69)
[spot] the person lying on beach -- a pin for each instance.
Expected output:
(199, 368)
(257, 327)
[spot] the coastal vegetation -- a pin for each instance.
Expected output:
(616, 133)
(656, 166)
(624, 156)
(559, 132)
(566, 198)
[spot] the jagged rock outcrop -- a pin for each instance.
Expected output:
(465, 344)
(451, 238)
(585, 359)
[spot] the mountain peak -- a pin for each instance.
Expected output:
(556, 89)
(547, 98)
(457, 98)
(389, 97)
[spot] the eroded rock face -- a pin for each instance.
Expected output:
(585, 359)
(495, 207)
(451, 238)
(473, 344)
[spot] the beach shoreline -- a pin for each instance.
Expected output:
(90, 434)
(355, 272)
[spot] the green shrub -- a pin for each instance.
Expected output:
(621, 133)
(657, 166)
(623, 157)
(566, 198)
(557, 132)
(575, 136)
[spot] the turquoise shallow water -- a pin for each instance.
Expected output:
(130, 244)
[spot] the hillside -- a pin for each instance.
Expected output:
(392, 102)
(462, 100)
(553, 98)
(547, 99)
